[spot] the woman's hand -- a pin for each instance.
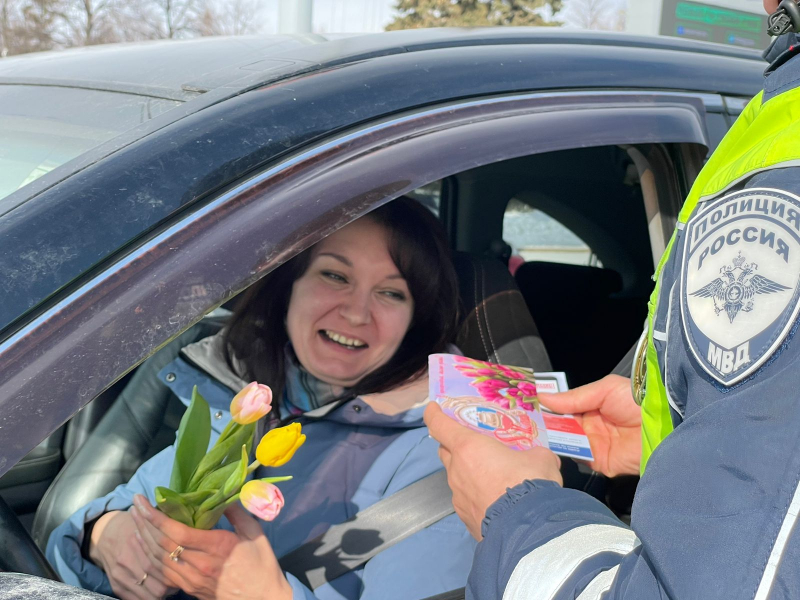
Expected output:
(115, 549)
(611, 419)
(480, 469)
(213, 564)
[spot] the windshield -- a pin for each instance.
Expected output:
(42, 127)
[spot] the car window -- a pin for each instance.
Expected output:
(534, 235)
(429, 196)
(44, 127)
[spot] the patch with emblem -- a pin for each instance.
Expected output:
(740, 280)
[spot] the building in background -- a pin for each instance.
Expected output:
(733, 22)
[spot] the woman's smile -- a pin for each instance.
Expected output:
(338, 339)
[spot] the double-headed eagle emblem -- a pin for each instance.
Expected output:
(737, 287)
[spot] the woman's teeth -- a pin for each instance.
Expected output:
(344, 341)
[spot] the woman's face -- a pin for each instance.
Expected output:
(351, 309)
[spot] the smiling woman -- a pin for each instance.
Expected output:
(359, 308)
(346, 326)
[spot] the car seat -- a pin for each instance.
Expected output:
(585, 327)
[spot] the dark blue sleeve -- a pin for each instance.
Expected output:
(542, 541)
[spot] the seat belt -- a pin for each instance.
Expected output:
(347, 546)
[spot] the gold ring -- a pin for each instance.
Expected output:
(142, 580)
(175, 554)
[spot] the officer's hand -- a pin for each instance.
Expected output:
(611, 419)
(480, 469)
(771, 5)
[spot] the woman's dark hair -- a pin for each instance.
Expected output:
(256, 336)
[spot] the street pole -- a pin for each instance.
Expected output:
(294, 16)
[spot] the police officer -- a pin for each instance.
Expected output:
(714, 515)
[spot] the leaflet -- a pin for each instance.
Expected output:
(502, 401)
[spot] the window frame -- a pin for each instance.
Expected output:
(105, 324)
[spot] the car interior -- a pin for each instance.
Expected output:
(556, 312)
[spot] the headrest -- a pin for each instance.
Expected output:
(496, 325)
(568, 280)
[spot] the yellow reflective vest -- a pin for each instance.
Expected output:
(765, 136)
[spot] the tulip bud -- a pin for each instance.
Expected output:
(262, 499)
(252, 403)
(279, 445)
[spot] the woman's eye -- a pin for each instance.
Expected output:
(334, 276)
(399, 296)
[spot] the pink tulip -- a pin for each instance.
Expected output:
(511, 373)
(490, 394)
(252, 403)
(526, 405)
(496, 384)
(262, 499)
(527, 388)
(486, 372)
(514, 392)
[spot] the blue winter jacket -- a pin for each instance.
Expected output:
(353, 457)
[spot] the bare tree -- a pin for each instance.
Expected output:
(87, 22)
(233, 17)
(27, 25)
(176, 18)
(594, 14)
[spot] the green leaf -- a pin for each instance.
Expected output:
(210, 511)
(172, 505)
(195, 499)
(223, 453)
(237, 478)
(276, 479)
(232, 485)
(192, 443)
(207, 520)
(216, 479)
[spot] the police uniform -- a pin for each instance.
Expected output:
(715, 511)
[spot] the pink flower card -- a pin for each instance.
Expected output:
(496, 400)
(502, 402)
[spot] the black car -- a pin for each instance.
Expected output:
(143, 186)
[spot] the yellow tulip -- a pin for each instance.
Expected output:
(279, 445)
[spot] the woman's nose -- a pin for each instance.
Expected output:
(356, 308)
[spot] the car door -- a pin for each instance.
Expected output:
(92, 332)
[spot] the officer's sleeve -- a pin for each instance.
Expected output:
(542, 541)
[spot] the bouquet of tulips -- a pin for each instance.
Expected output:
(509, 387)
(203, 484)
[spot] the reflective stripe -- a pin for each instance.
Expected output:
(666, 355)
(779, 548)
(600, 585)
(661, 336)
(540, 574)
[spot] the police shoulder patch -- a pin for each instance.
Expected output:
(740, 280)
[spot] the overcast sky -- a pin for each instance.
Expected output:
(352, 16)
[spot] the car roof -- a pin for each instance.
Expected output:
(182, 69)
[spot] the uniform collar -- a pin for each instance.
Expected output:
(781, 50)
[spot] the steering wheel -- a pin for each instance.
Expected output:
(18, 552)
